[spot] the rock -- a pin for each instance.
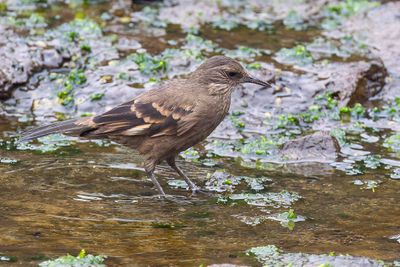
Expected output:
(355, 82)
(317, 147)
(19, 60)
(272, 256)
(16, 62)
(352, 82)
(226, 265)
(379, 29)
(185, 14)
(192, 13)
(221, 181)
(51, 58)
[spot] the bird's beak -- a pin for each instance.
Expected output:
(248, 79)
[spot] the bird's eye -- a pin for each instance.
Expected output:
(233, 74)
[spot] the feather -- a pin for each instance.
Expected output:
(72, 127)
(151, 114)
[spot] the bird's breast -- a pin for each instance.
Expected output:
(213, 114)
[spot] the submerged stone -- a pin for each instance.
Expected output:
(82, 260)
(272, 256)
(178, 184)
(221, 181)
(367, 184)
(271, 199)
(317, 147)
(8, 161)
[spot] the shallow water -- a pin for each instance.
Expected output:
(99, 199)
(95, 196)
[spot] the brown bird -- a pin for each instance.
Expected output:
(166, 120)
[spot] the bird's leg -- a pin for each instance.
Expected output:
(150, 174)
(172, 164)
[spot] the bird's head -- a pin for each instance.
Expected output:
(222, 74)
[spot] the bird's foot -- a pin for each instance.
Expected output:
(196, 189)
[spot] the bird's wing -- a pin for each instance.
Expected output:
(152, 116)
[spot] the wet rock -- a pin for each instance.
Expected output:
(221, 181)
(127, 45)
(80, 45)
(317, 147)
(378, 29)
(354, 82)
(272, 256)
(184, 12)
(227, 265)
(103, 85)
(19, 60)
(51, 58)
(102, 91)
(395, 238)
(255, 14)
(271, 199)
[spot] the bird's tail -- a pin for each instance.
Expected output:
(74, 127)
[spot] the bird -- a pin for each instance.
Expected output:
(166, 120)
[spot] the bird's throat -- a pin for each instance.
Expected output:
(219, 88)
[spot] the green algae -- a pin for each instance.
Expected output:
(368, 184)
(287, 219)
(261, 253)
(3, 7)
(294, 21)
(74, 80)
(245, 53)
(227, 24)
(335, 14)
(190, 154)
(393, 143)
(270, 199)
(76, 30)
(178, 184)
(149, 16)
(7, 258)
(298, 55)
(236, 121)
(148, 64)
(56, 144)
(82, 260)
(96, 96)
(259, 146)
(222, 181)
